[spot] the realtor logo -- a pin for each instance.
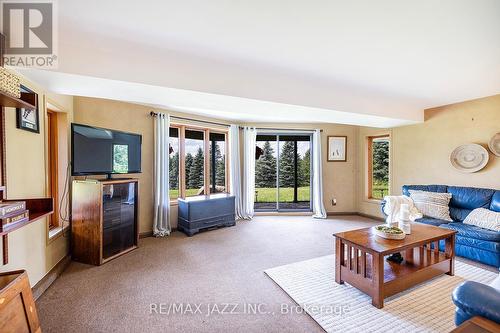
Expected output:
(29, 28)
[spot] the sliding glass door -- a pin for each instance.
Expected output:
(282, 172)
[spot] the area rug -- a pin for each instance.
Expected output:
(342, 308)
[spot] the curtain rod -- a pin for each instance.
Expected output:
(154, 114)
(283, 129)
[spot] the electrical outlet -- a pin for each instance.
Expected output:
(334, 202)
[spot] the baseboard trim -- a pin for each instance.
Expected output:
(341, 213)
(49, 278)
(146, 234)
(283, 214)
(378, 218)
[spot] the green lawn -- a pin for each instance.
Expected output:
(286, 194)
(174, 194)
(262, 194)
(380, 190)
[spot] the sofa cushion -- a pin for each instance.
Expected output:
(471, 231)
(470, 197)
(495, 202)
(484, 218)
(496, 283)
(465, 199)
(459, 214)
(432, 204)
(427, 188)
(477, 254)
(478, 244)
(431, 221)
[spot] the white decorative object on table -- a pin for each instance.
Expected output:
(404, 219)
(389, 232)
(469, 158)
(393, 205)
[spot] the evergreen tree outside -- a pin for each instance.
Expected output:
(195, 179)
(266, 171)
(380, 173)
(188, 165)
(381, 161)
(305, 169)
(220, 173)
(219, 165)
(174, 171)
(265, 168)
(286, 162)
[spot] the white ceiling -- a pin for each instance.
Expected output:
(377, 63)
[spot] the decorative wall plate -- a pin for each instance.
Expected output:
(494, 144)
(469, 158)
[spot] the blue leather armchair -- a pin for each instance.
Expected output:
(476, 299)
(472, 242)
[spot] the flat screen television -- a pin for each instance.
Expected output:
(101, 151)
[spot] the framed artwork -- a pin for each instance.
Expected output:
(337, 148)
(26, 119)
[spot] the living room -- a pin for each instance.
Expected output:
(221, 167)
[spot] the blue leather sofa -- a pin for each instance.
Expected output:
(477, 299)
(472, 242)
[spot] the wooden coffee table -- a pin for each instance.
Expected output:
(360, 260)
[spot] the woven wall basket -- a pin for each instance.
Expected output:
(469, 158)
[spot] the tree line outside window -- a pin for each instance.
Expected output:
(378, 173)
(265, 167)
(283, 182)
(197, 161)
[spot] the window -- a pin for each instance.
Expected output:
(53, 164)
(217, 162)
(195, 162)
(198, 162)
(378, 166)
(282, 173)
(174, 163)
(57, 157)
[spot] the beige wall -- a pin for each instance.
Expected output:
(420, 153)
(26, 156)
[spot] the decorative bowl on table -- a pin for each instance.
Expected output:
(387, 232)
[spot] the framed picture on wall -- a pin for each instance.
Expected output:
(26, 119)
(337, 148)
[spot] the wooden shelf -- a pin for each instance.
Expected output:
(393, 270)
(38, 208)
(26, 101)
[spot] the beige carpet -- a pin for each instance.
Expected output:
(225, 265)
(342, 308)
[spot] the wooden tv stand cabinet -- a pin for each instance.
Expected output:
(104, 219)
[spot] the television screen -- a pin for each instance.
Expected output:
(104, 151)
